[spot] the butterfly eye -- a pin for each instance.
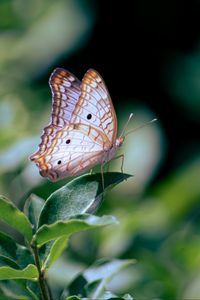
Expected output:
(59, 162)
(89, 116)
(68, 141)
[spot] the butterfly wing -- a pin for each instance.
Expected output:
(95, 106)
(65, 88)
(83, 114)
(72, 150)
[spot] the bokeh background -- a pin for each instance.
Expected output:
(148, 53)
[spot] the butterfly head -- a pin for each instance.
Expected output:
(119, 141)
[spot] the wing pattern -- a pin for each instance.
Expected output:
(65, 89)
(95, 102)
(72, 150)
(83, 125)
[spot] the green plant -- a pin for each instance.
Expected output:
(46, 227)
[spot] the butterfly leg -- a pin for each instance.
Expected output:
(122, 157)
(102, 177)
(108, 166)
(122, 165)
(91, 171)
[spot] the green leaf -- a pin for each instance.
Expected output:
(4, 261)
(67, 228)
(77, 286)
(8, 246)
(14, 289)
(127, 297)
(81, 195)
(54, 251)
(13, 251)
(105, 269)
(73, 298)
(99, 275)
(30, 272)
(85, 191)
(92, 283)
(24, 256)
(33, 289)
(10, 214)
(97, 290)
(32, 209)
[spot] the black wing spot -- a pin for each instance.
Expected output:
(89, 116)
(68, 141)
(59, 162)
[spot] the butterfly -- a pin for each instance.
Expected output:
(83, 128)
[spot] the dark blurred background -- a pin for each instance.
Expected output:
(148, 53)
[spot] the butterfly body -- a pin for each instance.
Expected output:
(83, 128)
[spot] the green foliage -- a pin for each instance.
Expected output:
(46, 227)
(10, 214)
(58, 229)
(30, 272)
(15, 289)
(52, 251)
(92, 283)
(11, 250)
(81, 195)
(32, 209)
(73, 298)
(158, 209)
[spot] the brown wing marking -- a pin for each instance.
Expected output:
(95, 94)
(54, 141)
(65, 89)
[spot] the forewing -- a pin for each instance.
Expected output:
(95, 106)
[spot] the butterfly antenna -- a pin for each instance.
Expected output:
(141, 126)
(130, 117)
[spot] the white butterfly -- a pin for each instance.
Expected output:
(83, 128)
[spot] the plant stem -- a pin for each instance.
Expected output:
(41, 280)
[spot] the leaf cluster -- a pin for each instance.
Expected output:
(46, 227)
